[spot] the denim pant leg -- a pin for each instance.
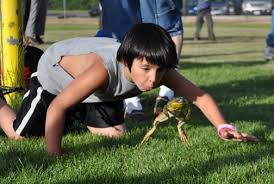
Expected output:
(209, 21)
(118, 17)
(165, 13)
(199, 23)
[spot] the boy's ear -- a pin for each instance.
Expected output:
(125, 64)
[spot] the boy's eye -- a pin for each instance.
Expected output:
(145, 68)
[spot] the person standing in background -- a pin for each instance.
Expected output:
(35, 12)
(117, 17)
(204, 10)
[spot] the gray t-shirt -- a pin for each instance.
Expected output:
(54, 78)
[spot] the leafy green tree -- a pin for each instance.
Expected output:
(72, 4)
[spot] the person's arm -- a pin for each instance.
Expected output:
(95, 77)
(206, 104)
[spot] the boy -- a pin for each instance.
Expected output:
(85, 71)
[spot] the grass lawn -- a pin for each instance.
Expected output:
(232, 70)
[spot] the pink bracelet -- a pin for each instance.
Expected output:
(228, 126)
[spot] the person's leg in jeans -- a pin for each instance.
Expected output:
(199, 24)
(118, 16)
(209, 22)
(167, 14)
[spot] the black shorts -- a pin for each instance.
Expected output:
(30, 119)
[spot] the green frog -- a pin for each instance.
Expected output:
(178, 108)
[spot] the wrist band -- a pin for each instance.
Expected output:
(228, 126)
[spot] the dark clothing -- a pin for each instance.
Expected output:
(31, 58)
(35, 12)
(31, 117)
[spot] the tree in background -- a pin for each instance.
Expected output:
(72, 4)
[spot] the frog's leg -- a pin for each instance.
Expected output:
(160, 118)
(181, 132)
(150, 132)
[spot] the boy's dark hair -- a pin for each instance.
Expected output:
(151, 42)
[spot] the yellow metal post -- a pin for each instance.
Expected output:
(12, 59)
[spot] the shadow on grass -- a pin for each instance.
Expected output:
(227, 96)
(257, 87)
(15, 158)
(221, 54)
(223, 39)
(202, 65)
(19, 160)
(198, 172)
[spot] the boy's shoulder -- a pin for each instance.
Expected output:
(106, 47)
(86, 40)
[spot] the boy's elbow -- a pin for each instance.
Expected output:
(56, 106)
(202, 99)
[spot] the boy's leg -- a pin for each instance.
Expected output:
(106, 119)
(178, 40)
(7, 116)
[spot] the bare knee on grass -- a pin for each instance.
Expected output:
(112, 132)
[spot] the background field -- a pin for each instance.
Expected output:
(232, 70)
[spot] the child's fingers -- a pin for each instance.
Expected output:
(250, 137)
(228, 134)
(242, 137)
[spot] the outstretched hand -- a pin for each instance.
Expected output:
(234, 135)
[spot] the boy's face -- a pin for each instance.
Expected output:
(145, 75)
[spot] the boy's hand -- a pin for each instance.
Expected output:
(234, 135)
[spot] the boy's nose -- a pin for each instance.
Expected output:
(152, 78)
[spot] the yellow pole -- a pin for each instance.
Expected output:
(11, 47)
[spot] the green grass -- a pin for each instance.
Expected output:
(232, 69)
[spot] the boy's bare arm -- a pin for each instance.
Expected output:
(204, 102)
(94, 78)
(200, 98)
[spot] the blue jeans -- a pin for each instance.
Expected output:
(118, 17)
(165, 13)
